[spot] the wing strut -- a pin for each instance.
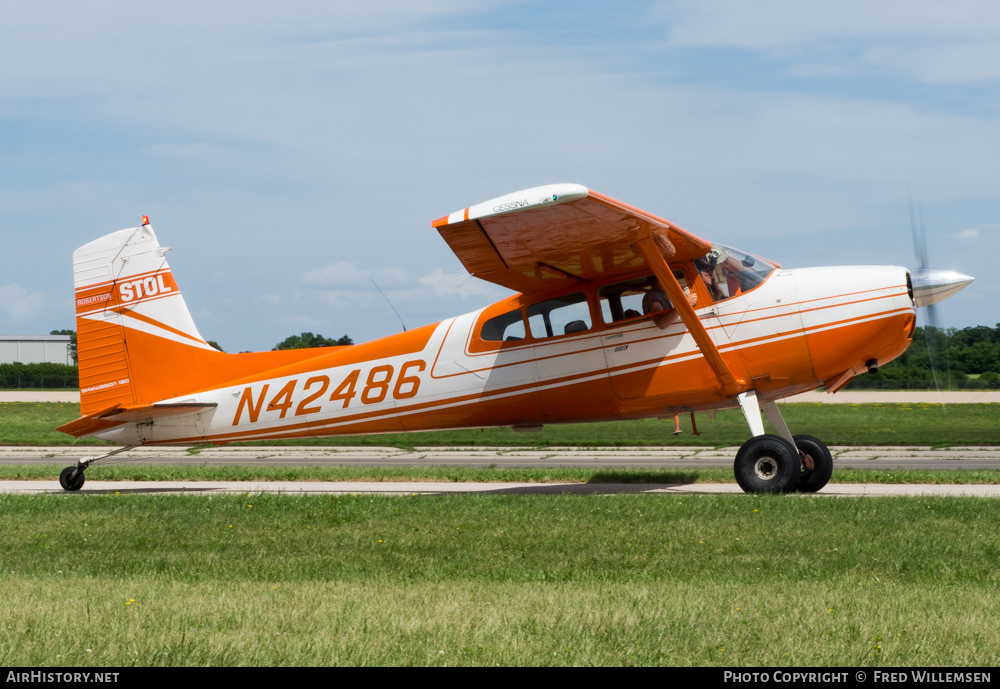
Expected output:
(730, 383)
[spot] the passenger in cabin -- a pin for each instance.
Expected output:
(656, 300)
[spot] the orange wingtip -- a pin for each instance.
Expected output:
(443, 220)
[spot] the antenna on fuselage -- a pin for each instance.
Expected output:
(389, 303)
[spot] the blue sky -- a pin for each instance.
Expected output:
(291, 153)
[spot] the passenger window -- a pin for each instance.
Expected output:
(559, 316)
(503, 328)
(624, 300)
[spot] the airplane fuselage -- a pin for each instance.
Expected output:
(795, 331)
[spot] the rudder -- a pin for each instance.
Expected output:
(126, 297)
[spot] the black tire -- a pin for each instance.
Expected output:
(812, 480)
(767, 464)
(70, 482)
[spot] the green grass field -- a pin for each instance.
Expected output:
(498, 579)
(29, 423)
(119, 580)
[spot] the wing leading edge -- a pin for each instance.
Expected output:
(552, 236)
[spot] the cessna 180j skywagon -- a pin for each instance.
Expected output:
(619, 314)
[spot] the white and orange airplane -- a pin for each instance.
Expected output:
(619, 314)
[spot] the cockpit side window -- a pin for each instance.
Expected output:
(506, 327)
(559, 316)
(729, 272)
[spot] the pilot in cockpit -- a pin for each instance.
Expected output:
(709, 270)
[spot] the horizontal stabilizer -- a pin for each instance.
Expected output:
(117, 415)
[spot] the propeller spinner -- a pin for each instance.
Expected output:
(931, 285)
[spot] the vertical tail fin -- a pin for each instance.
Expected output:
(132, 323)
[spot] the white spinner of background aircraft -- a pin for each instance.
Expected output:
(619, 314)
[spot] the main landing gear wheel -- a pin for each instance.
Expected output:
(767, 464)
(70, 482)
(817, 463)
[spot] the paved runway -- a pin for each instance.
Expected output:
(594, 458)
(886, 458)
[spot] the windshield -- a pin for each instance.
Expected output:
(728, 272)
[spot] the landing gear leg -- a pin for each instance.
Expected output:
(72, 478)
(761, 462)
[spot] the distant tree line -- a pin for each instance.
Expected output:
(309, 341)
(966, 359)
(18, 376)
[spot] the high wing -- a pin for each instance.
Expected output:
(549, 237)
(552, 236)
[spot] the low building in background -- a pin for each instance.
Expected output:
(36, 349)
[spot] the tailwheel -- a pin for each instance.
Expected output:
(817, 463)
(767, 464)
(72, 478)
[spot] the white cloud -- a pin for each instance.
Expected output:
(778, 24)
(931, 41)
(19, 304)
(345, 273)
(460, 283)
(299, 321)
(269, 298)
(969, 235)
(193, 152)
(346, 300)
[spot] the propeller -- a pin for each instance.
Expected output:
(930, 286)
